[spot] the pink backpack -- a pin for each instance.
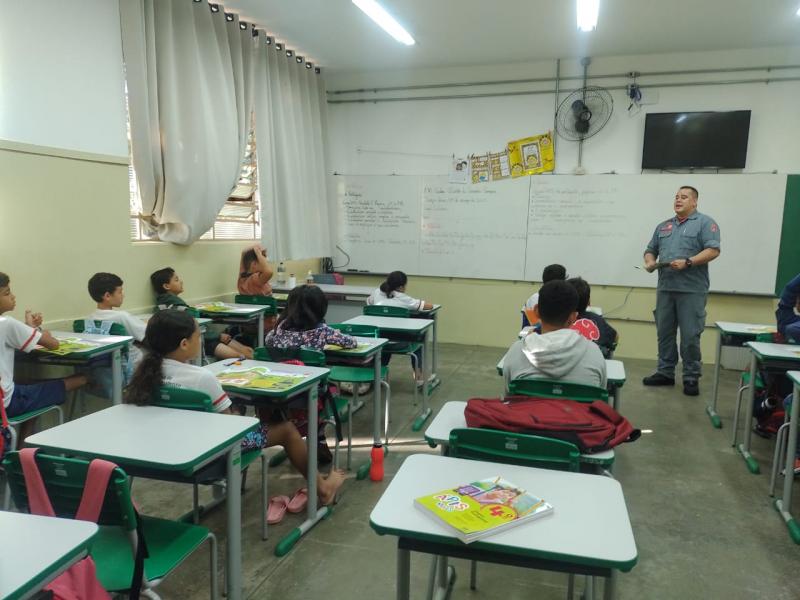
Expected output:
(79, 582)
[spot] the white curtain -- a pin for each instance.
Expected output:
(290, 110)
(190, 85)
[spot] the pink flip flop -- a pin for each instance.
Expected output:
(298, 502)
(277, 509)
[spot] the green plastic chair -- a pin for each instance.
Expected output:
(79, 326)
(13, 423)
(514, 449)
(267, 301)
(183, 399)
(113, 550)
(548, 388)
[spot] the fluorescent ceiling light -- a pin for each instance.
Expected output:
(798, 12)
(378, 14)
(587, 14)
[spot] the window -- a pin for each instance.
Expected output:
(239, 218)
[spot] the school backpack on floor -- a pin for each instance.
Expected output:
(592, 427)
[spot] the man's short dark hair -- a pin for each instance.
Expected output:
(557, 301)
(554, 273)
(584, 291)
(694, 190)
(100, 283)
(160, 278)
(4, 280)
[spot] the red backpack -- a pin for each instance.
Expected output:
(592, 427)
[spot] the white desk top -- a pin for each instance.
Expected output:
(392, 323)
(231, 309)
(451, 416)
(200, 320)
(309, 375)
(589, 521)
(752, 329)
(794, 376)
(615, 370)
(103, 344)
(328, 288)
(775, 351)
(41, 548)
(147, 436)
(366, 347)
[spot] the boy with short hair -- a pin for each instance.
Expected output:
(167, 285)
(17, 398)
(558, 352)
(552, 272)
(106, 289)
(591, 325)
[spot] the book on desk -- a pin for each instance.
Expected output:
(475, 510)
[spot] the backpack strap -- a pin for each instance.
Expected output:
(94, 490)
(38, 500)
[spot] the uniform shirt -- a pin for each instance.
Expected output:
(251, 285)
(133, 325)
(378, 298)
(786, 313)
(531, 302)
(674, 240)
(190, 377)
(165, 301)
(13, 336)
(596, 329)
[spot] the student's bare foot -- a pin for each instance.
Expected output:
(329, 486)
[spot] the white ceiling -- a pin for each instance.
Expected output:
(338, 36)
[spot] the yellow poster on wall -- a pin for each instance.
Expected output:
(479, 168)
(531, 155)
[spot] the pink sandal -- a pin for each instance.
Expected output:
(299, 501)
(277, 509)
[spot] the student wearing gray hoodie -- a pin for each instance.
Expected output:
(558, 352)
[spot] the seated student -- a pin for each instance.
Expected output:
(591, 325)
(167, 285)
(254, 272)
(106, 289)
(172, 339)
(551, 273)
(392, 292)
(788, 312)
(558, 352)
(17, 398)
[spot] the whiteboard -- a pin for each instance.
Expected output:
(596, 225)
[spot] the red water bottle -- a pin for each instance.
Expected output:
(376, 463)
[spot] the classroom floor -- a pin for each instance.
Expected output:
(704, 526)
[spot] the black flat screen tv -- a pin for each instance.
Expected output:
(696, 140)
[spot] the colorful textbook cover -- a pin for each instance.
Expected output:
(260, 378)
(482, 508)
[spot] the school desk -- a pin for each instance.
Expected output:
(344, 301)
(734, 335)
(304, 382)
(588, 532)
(236, 314)
(151, 441)
(773, 358)
(38, 549)
(100, 345)
(784, 504)
(402, 328)
(433, 315)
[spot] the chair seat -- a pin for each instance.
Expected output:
(30, 415)
(356, 374)
(402, 347)
(249, 457)
(604, 458)
(168, 542)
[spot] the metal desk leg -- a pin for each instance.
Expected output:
(116, 376)
(711, 410)
(260, 340)
(426, 411)
(234, 525)
(784, 505)
(363, 470)
(403, 573)
(744, 448)
(435, 381)
(314, 514)
(611, 586)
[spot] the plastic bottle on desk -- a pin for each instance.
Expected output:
(376, 463)
(281, 274)
(310, 278)
(292, 281)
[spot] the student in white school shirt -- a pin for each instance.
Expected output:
(17, 398)
(106, 289)
(172, 338)
(551, 273)
(392, 292)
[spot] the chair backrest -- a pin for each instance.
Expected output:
(548, 388)
(386, 311)
(326, 278)
(64, 480)
(359, 330)
(79, 326)
(308, 356)
(514, 449)
(183, 399)
(255, 299)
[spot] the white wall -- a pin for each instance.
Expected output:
(400, 137)
(61, 75)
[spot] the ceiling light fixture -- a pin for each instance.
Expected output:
(387, 22)
(588, 10)
(798, 12)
